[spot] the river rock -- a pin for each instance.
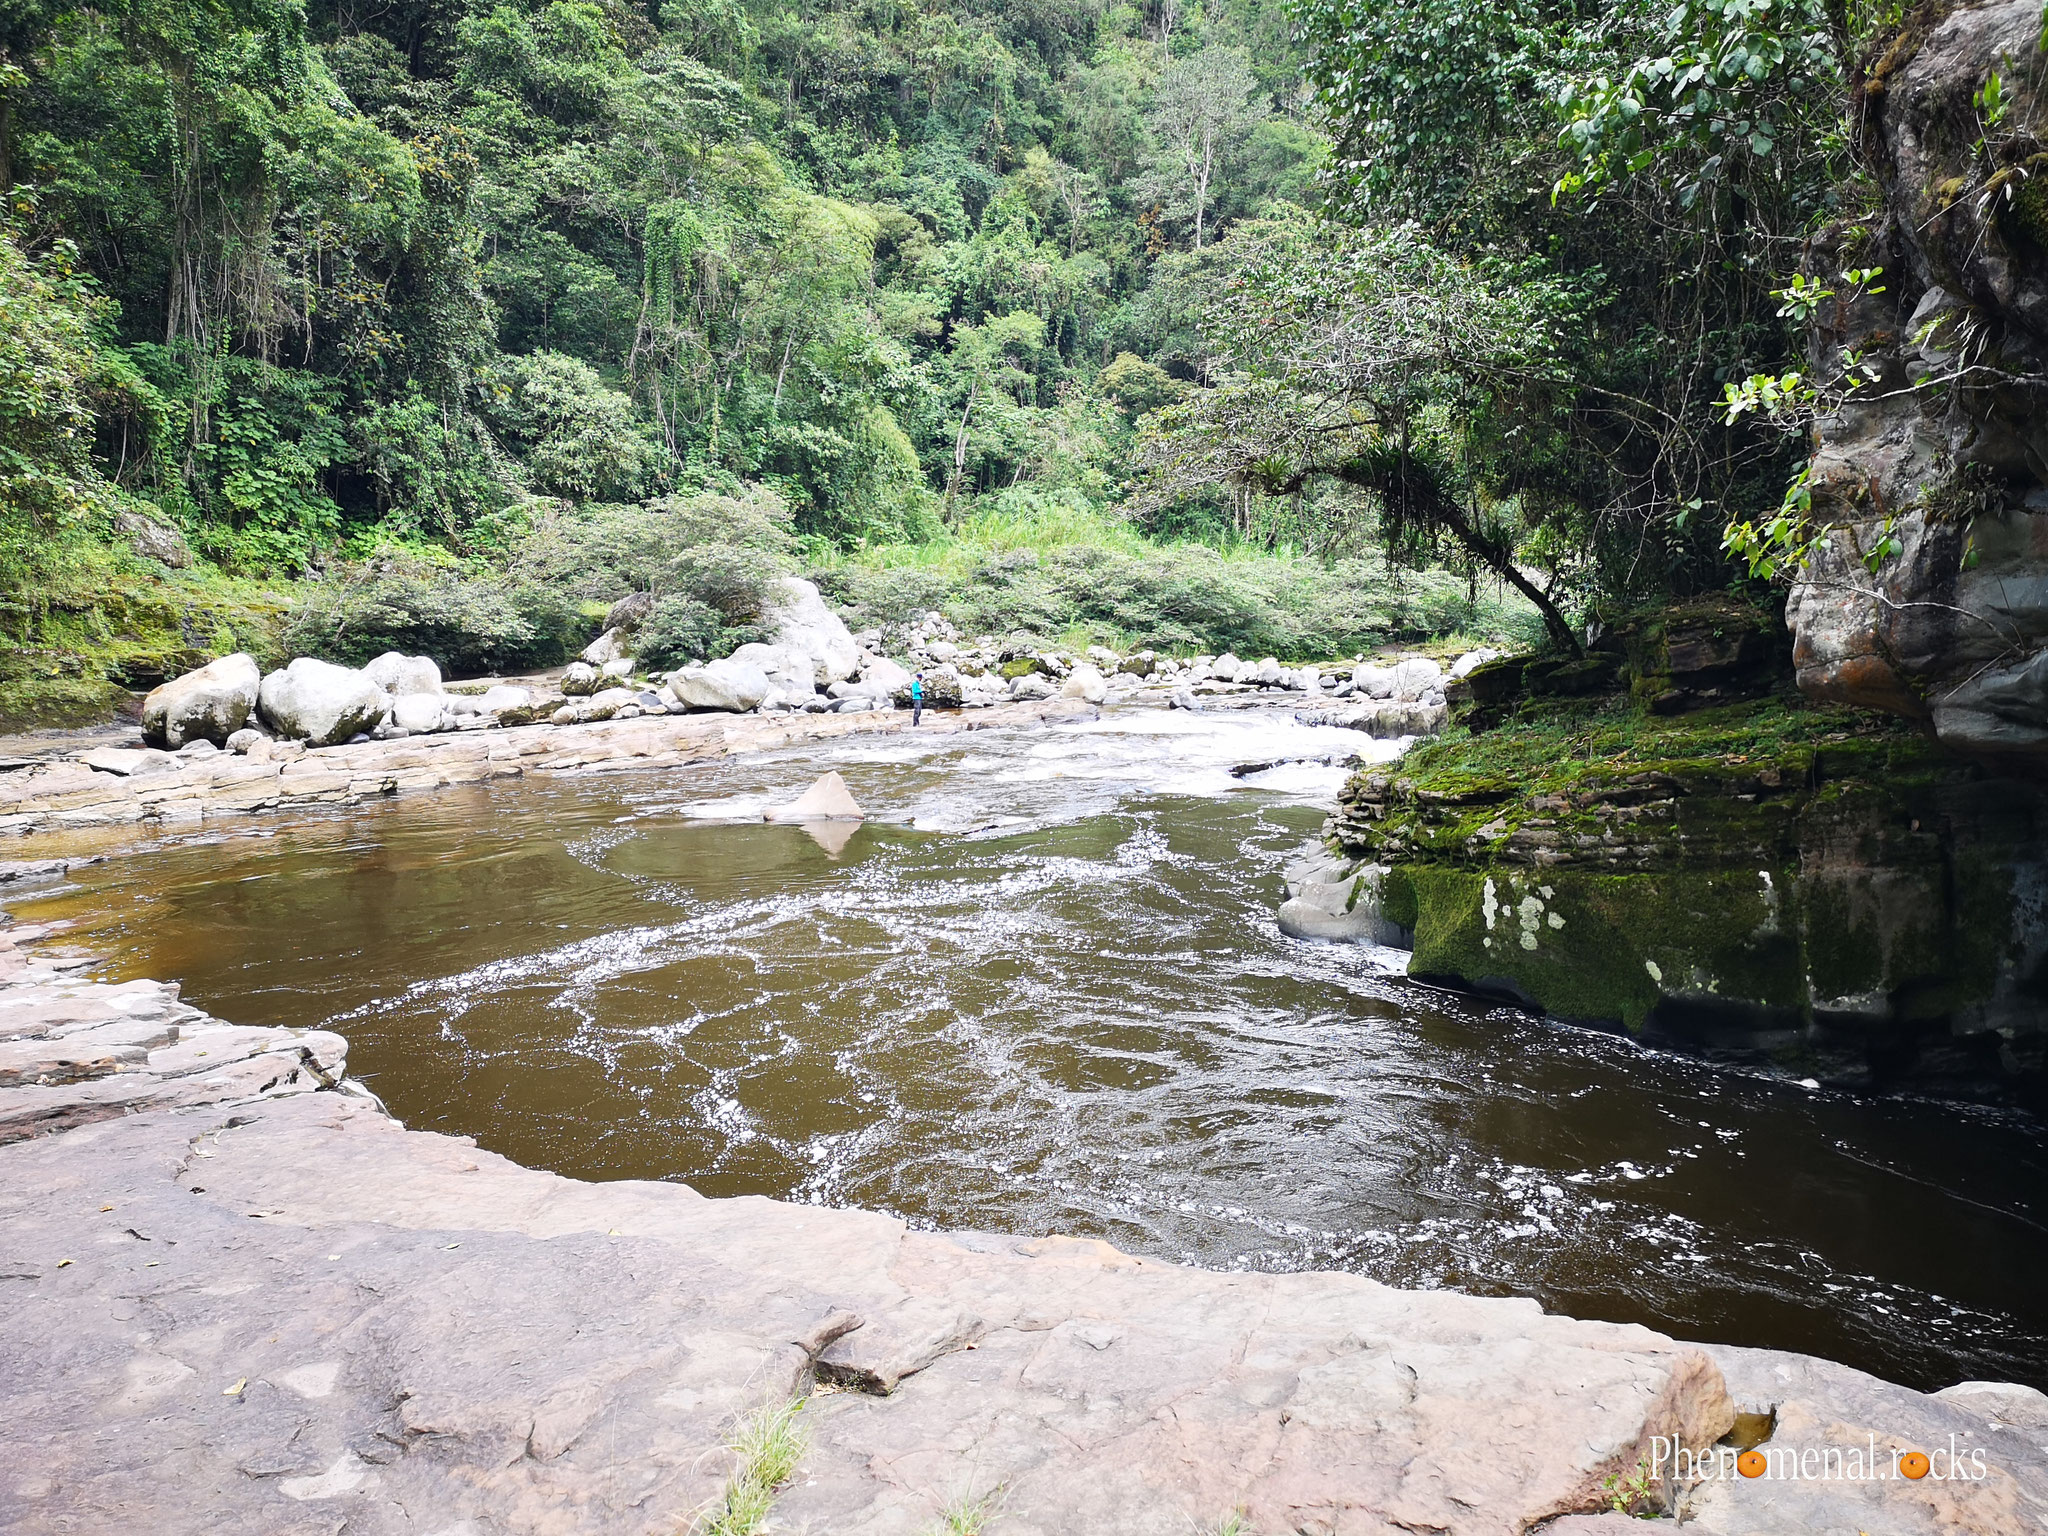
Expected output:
(504, 698)
(601, 650)
(580, 679)
(791, 668)
(418, 713)
(942, 690)
(398, 674)
(1463, 666)
(799, 619)
(1140, 663)
(732, 685)
(627, 615)
(247, 739)
(1032, 686)
(1085, 682)
(1337, 899)
(210, 704)
(617, 667)
(1266, 674)
(1373, 680)
(827, 800)
(1224, 668)
(885, 676)
(321, 704)
(1416, 678)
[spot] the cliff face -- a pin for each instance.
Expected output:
(1946, 449)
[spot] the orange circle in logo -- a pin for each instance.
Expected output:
(1914, 1464)
(1751, 1464)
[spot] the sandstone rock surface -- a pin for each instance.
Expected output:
(210, 704)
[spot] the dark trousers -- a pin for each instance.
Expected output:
(916, 711)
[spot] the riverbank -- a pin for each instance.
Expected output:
(113, 786)
(242, 1298)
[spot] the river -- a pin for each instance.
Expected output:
(1041, 990)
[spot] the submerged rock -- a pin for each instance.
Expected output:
(210, 704)
(1335, 898)
(321, 704)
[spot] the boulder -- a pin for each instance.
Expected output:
(398, 674)
(210, 704)
(1032, 686)
(884, 675)
(1267, 675)
(732, 685)
(321, 704)
(1373, 680)
(602, 649)
(1225, 668)
(799, 619)
(790, 667)
(1337, 900)
(1141, 664)
(154, 540)
(417, 713)
(827, 800)
(629, 613)
(1415, 677)
(247, 740)
(1463, 666)
(618, 666)
(942, 690)
(606, 704)
(1085, 682)
(503, 698)
(581, 678)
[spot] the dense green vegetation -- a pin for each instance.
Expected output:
(442, 323)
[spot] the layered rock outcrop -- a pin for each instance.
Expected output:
(1931, 599)
(1861, 908)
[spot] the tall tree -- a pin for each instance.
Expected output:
(1206, 106)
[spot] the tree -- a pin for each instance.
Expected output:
(1206, 106)
(1379, 361)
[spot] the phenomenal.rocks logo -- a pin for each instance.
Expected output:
(1955, 1463)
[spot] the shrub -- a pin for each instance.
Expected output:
(469, 623)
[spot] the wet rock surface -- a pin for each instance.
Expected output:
(241, 1297)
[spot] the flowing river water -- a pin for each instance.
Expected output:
(1041, 990)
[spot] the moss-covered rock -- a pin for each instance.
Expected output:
(1819, 889)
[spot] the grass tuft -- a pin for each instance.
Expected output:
(967, 1515)
(768, 1445)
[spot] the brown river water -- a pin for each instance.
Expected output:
(1041, 990)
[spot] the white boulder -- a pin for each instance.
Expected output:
(209, 704)
(321, 704)
(580, 678)
(789, 667)
(827, 800)
(799, 619)
(732, 685)
(1415, 677)
(1373, 680)
(398, 674)
(1463, 666)
(417, 713)
(1269, 674)
(1225, 668)
(500, 697)
(1085, 682)
(1032, 685)
(603, 649)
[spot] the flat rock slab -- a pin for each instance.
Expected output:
(240, 1299)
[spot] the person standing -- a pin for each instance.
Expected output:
(917, 699)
